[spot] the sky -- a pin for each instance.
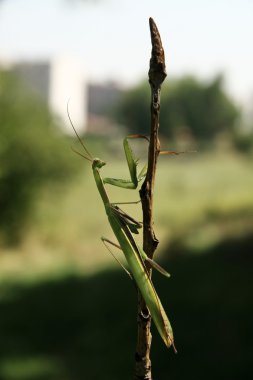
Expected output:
(112, 41)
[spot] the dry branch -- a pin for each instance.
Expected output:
(157, 74)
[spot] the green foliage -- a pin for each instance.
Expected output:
(32, 152)
(203, 108)
(133, 109)
(243, 142)
(59, 329)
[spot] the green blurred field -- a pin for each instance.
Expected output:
(65, 306)
(200, 200)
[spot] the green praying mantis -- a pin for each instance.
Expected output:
(124, 226)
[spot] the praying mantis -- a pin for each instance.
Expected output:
(124, 226)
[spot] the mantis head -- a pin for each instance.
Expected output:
(97, 163)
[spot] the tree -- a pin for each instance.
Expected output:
(32, 153)
(132, 109)
(203, 107)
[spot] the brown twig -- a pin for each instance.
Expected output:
(157, 74)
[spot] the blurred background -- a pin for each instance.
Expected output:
(66, 309)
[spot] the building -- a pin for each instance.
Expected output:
(61, 82)
(101, 100)
(57, 82)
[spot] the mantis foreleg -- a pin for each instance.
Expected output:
(132, 163)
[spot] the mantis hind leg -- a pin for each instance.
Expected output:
(132, 163)
(106, 242)
(126, 203)
(176, 153)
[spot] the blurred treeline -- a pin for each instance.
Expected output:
(191, 109)
(33, 152)
(33, 149)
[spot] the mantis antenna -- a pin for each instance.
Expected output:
(90, 158)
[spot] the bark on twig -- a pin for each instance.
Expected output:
(157, 74)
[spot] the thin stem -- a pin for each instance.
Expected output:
(157, 74)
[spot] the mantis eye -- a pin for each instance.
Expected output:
(99, 163)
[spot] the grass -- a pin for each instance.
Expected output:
(65, 306)
(83, 327)
(199, 198)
